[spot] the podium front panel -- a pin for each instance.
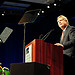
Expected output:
(46, 53)
(31, 68)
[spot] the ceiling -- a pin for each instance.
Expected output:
(12, 11)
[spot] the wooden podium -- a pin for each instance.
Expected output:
(45, 53)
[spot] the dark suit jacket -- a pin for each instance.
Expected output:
(69, 41)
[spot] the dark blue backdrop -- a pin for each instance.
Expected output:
(12, 50)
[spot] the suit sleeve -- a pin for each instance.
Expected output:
(71, 37)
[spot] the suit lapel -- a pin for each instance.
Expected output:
(65, 33)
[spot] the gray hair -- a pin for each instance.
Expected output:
(65, 18)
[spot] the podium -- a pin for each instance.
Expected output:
(45, 53)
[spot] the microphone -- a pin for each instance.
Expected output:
(40, 36)
(45, 37)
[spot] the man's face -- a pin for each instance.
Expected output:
(61, 23)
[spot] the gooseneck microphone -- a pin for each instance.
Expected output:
(40, 36)
(46, 35)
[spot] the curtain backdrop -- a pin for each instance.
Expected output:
(12, 50)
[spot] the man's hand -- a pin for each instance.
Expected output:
(58, 44)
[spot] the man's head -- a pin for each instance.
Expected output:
(62, 21)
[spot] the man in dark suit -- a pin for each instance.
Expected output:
(67, 41)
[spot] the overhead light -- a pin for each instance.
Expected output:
(48, 6)
(42, 11)
(38, 13)
(55, 4)
(2, 14)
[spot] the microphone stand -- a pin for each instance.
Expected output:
(44, 38)
(24, 41)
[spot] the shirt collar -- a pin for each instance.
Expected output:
(65, 28)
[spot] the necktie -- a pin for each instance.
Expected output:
(62, 35)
